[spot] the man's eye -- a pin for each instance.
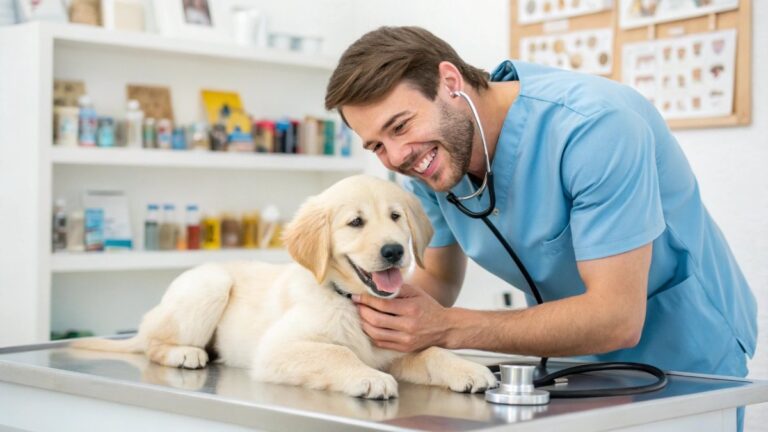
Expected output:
(399, 128)
(377, 147)
(356, 222)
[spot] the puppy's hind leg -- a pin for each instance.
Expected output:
(180, 327)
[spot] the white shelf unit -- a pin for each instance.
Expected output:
(200, 159)
(68, 262)
(41, 291)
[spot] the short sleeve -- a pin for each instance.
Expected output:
(609, 170)
(443, 235)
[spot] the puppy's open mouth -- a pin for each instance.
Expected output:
(384, 283)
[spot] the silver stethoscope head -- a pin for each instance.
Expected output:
(482, 187)
(516, 387)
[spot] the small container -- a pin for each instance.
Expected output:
(280, 41)
(106, 132)
(169, 229)
(268, 226)
(151, 228)
(94, 229)
(344, 140)
(179, 139)
(329, 128)
(277, 237)
(66, 121)
(250, 230)
(76, 231)
(219, 137)
(164, 134)
(250, 27)
(240, 142)
(264, 136)
(198, 136)
(193, 227)
(134, 119)
(312, 44)
(211, 233)
(87, 122)
(59, 234)
(150, 133)
(230, 232)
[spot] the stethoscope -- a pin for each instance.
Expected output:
(517, 386)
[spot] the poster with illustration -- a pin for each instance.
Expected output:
(685, 77)
(533, 11)
(224, 107)
(589, 51)
(637, 13)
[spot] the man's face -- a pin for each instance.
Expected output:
(414, 136)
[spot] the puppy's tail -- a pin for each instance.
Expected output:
(135, 344)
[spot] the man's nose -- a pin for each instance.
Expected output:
(398, 155)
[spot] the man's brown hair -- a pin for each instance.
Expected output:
(372, 66)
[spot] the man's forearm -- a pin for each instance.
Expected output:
(441, 291)
(574, 326)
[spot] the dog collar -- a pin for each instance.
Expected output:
(340, 291)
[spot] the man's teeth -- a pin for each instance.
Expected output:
(424, 164)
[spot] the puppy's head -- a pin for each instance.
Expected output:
(358, 233)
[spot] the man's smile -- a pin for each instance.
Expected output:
(426, 161)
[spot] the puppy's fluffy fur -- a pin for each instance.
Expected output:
(287, 323)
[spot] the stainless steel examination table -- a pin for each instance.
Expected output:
(52, 387)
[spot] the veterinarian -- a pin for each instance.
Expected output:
(592, 192)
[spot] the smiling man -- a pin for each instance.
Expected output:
(592, 192)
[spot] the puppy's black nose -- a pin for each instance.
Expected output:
(392, 252)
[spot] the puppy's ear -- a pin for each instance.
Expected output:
(308, 238)
(420, 226)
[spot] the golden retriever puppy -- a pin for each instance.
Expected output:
(294, 323)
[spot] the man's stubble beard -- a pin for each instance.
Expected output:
(457, 132)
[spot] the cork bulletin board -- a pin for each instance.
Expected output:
(693, 64)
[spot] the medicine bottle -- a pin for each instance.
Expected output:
(151, 228)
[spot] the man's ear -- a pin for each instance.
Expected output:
(419, 225)
(308, 238)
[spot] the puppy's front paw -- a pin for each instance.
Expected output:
(186, 357)
(376, 385)
(469, 377)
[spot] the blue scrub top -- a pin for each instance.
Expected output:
(586, 168)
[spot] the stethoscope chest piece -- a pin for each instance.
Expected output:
(516, 387)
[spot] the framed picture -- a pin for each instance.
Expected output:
(41, 10)
(205, 20)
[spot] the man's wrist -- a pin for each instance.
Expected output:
(454, 336)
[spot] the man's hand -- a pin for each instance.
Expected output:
(411, 322)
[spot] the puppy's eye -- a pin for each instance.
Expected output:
(395, 216)
(356, 222)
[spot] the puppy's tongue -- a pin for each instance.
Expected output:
(388, 280)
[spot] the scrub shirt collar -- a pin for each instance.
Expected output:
(506, 71)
